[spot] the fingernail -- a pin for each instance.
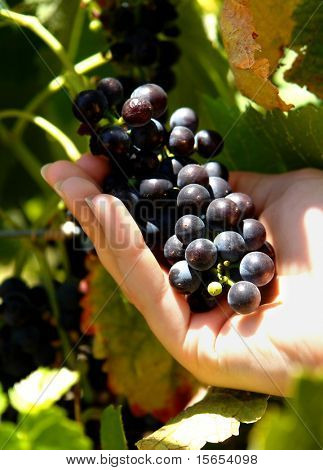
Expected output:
(44, 170)
(57, 187)
(89, 202)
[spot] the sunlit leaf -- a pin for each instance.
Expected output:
(3, 400)
(51, 429)
(11, 438)
(298, 425)
(112, 433)
(271, 142)
(41, 389)
(307, 40)
(137, 365)
(255, 34)
(214, 419)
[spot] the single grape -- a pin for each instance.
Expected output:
(191, 174)
(215, 288)
(89, 106)
(254, 234)
(148, 137)
(155, 95)
(218, 187)
(186, 117)
(258, 268)
(268, 249)
(188, 228)
(183, 278)
(245, 204)
(128, 196)
(154, 187)
(194, 198)
(174, 250)
(230, 246)
(137, 112)
(222, 214)
(244, 297)
(112, 89)
(201, 254)
(170, 167)
(13, 285)
(114, 141)
(151, 234)
(217, 169)
(181, 141)
(208, 143)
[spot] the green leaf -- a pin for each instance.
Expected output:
(214, 419)
(51, 429)
(307, 41)
(41, 389)
(297, 426)
(201, 66)
(11, 438)
(112, 432)
(138, 366)
(3, 400)
(271, 142)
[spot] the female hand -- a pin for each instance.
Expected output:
(257, 352)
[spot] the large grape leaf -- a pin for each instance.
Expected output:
(214, 419)
(271, 142)
(254, 35)
(138, 366)
(307, 40)
(297, 426)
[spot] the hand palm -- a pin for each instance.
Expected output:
(254, 352)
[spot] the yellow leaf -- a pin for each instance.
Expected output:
(254, 35)
(214, 419)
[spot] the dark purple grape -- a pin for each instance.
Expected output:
(148, 137)
(258, 268)
(128, 196)
(183, 278)
(155, 188)
(174, 250)
(155, 95)
(144, 164)
(170, 167)
(218, 187)
(208, 143)
(168, 53)
(245, 204)
(201, 254)
(137, 112)
(151, 234)
(16, 309)
(13, 285)
(112, 89)
(192, 174)
(186, 117)
(268, 249)
(181, 141)
(144, 48)
(114, 141)
(217, 169)
(254, 234)
(222, 214)
(244, 297)
(230, 245)
(188, 228)
(89, 106)
(27, 337)
(194, 198)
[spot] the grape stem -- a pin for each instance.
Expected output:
(71, 151)
(224, 278)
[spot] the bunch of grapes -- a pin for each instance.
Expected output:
(187, 211)
(141, 39)
(27, 334)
